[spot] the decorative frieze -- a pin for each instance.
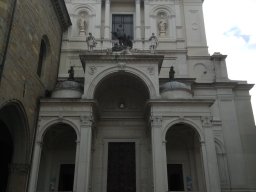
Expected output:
(92, 70)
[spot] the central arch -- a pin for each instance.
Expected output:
(112, 71)
(122, 93)
(121, 128)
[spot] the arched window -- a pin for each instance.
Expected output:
(42, 56)
(44, 50)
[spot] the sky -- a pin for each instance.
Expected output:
(231, 30)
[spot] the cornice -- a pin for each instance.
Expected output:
(62, 13)
(236, 85)
(198, 101)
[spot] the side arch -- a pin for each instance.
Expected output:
(51, 123)
(93, 85)
(187, 122)
(14, 115)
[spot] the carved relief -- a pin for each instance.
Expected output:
(206, 121)
(121, 66)
(92, 70)
(195, 26)
(200, 70)
(151, 70)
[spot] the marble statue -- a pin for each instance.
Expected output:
(153, 43)
(91, 42)
(162, 26)
(82, 24)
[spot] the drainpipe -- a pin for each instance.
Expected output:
(6, 44)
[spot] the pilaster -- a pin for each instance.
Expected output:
(107, 20)
(84, 154)
(159, 166)
(209, 156)
(138, 20)
(35, 166)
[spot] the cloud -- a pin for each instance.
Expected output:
(236, 31)
(235, 35)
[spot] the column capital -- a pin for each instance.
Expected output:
(156, 121)
(86, 121)
(206, 121)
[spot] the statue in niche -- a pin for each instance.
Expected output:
(162, 25)
(91, 42)
(82, 24)
(153, 43)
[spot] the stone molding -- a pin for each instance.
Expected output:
(19, 168)
(62, 13)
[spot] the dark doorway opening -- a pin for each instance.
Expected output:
(66, 178)
(6, 151)
(121, 167)
(175, 177)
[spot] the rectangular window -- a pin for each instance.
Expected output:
(66, 178)
(122, 25)
(175, 177)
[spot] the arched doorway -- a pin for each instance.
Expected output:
(121, 159)
(6, 151)
(184, 159)
(57, 165)
(13, 147)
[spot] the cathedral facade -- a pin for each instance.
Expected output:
(137, 105)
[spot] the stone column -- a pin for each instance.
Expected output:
(84, 155)
(138, 20)
(157, 155)
(35, 167)
(107, 20)
(146, 19)
(210, 158)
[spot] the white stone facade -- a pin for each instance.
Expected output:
(202, 124)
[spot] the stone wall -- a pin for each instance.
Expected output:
(20, 82)
(5, 18)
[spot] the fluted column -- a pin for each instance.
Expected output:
(107, 20)
(138, 20)
(147, 20)
(35, 167)
(158, 155)
(84, 156)
(209, 158)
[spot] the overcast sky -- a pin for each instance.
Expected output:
(231, 29)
